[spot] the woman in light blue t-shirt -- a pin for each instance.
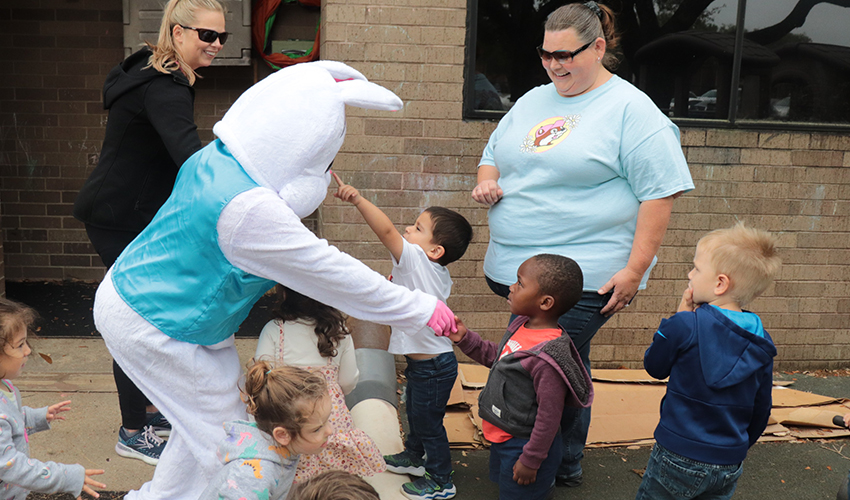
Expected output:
(586, 167)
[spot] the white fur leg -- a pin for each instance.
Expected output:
(194, 386)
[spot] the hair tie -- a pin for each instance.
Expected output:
(593, 6)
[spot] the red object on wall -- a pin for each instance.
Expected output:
(262, 18)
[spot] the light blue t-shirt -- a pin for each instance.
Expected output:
(574, 172)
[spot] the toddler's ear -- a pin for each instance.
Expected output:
(282, 436)
(547, 302)
(437, 252)
(723, 285)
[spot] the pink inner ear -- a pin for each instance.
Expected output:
(343, 80)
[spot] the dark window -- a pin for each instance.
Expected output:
(789, 62)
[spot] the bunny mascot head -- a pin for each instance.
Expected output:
(286, 129)
(231, 229)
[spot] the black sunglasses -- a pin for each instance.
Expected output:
(562, 56)
(208, 36)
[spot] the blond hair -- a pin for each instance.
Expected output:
(334, 485)
(282, 397)
(590, 21)
(748, 256)
(166, 58)
(14, 316)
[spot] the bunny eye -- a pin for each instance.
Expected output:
(329, 167)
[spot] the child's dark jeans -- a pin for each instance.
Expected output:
(670, 476)
(503, 456)
(429, 385)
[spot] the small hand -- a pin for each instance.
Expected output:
(524, 475)
(625, 285)
(89, 482)
(54, 410)
(443, 320)
(345, 192)
(487, 192)
(847, 420)
(687, 303)
(460, 333)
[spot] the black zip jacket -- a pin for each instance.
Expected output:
(151, 131)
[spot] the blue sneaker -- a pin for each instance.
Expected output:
(427, 488)
(144, 445)
(406, 462)
(161, 425)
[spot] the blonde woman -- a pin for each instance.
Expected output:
(151, 131)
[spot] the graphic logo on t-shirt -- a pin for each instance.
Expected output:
(549, 133)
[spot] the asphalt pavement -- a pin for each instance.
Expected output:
(81, 372)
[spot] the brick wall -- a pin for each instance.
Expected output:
(56, 55)
(51, 124)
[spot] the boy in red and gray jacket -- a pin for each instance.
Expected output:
(534, 372)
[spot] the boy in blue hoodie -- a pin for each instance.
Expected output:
(720, 363)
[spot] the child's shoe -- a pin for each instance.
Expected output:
(406, 462)
(428, 488)
(161, 425)
(144, 445)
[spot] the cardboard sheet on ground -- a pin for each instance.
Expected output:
(626, 411)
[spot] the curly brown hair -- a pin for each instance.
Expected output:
(282, 397)
(330, 323)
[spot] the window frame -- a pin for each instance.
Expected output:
(732, 122)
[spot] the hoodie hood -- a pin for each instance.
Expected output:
(244, 441)
(729, 353)
(286, 130)
(131, 74)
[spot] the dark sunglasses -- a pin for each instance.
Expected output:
(208, 36)
(562, 56)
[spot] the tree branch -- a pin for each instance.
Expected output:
(795, 19)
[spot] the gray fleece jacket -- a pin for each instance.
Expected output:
(253, 469)
(19, 473)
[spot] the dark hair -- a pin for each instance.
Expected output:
(590, 21)
(13, 317)
(560, 277)
(330, 322)
(451, 231)
(282, 397)
(334, 485)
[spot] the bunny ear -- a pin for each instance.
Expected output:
(340, 71)
(363, 94)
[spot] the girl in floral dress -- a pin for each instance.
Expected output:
(311, 335)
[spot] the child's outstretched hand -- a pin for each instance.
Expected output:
(524, 475)
(53, 411)
(345, 192)
(687, 303)
(89, 482)
(460, 333)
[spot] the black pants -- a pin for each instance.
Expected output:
(133, 403)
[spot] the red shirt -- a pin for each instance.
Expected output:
(524, 338)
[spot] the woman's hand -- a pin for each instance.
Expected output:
(487, 192)
(54, 410)
(625, 285)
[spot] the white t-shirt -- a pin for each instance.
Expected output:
(300, 348)
(415, 271)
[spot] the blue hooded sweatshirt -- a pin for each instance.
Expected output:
(721, 375)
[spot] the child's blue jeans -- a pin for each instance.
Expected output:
(429, 385)
(670, 476)
(503, 456)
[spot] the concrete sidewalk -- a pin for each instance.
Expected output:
(82, 372)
